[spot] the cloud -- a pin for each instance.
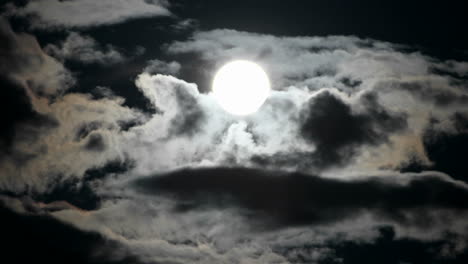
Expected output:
(28, 228)
(216, 215)
(84, 49)
(407, 85)
(340, 108)
(26, 73)
(299, 199)
(158, 66)
(42, 141)
(50, 14)
(24, 62)
(329, 123)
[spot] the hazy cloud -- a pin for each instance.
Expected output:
(23, 61)
(158, 66)
(50, 14)
(84, 49)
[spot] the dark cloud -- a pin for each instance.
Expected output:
(351, 83)
(294, 198)
(190, 116)
(22, 60)
(85, 129)
(95, 142)
(337, 131)
(32, 238)
(381, 250)
(16, 111)
(460, 121)
(81, 192)
(14, 108)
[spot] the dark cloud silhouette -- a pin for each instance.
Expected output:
(15, 105)
(95, 143)
(409, 251)
(23, 61)
(32, 238)
(336, 130)
(85, 129)
(190, 115)
(18, 119)
(295, 199)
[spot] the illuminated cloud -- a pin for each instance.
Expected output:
(47, 14)
(84, 49)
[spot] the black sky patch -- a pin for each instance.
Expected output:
(297, 199)
(449, 153)
(446, 150)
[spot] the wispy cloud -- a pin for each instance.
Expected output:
(84, 49)
(53, 14)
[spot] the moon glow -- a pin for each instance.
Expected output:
(241, 87)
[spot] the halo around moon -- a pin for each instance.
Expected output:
(241, 87)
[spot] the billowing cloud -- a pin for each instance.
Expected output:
(43, 143)
(24, 62)
(47, 14)
(84, 49)
(407, 87)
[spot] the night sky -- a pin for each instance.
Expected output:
(114, 148)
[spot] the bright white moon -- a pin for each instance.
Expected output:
(241, 87)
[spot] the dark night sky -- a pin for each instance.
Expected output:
(114, 150)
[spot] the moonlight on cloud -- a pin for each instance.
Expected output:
(219, 131)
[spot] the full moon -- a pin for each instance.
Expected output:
(241, 87)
